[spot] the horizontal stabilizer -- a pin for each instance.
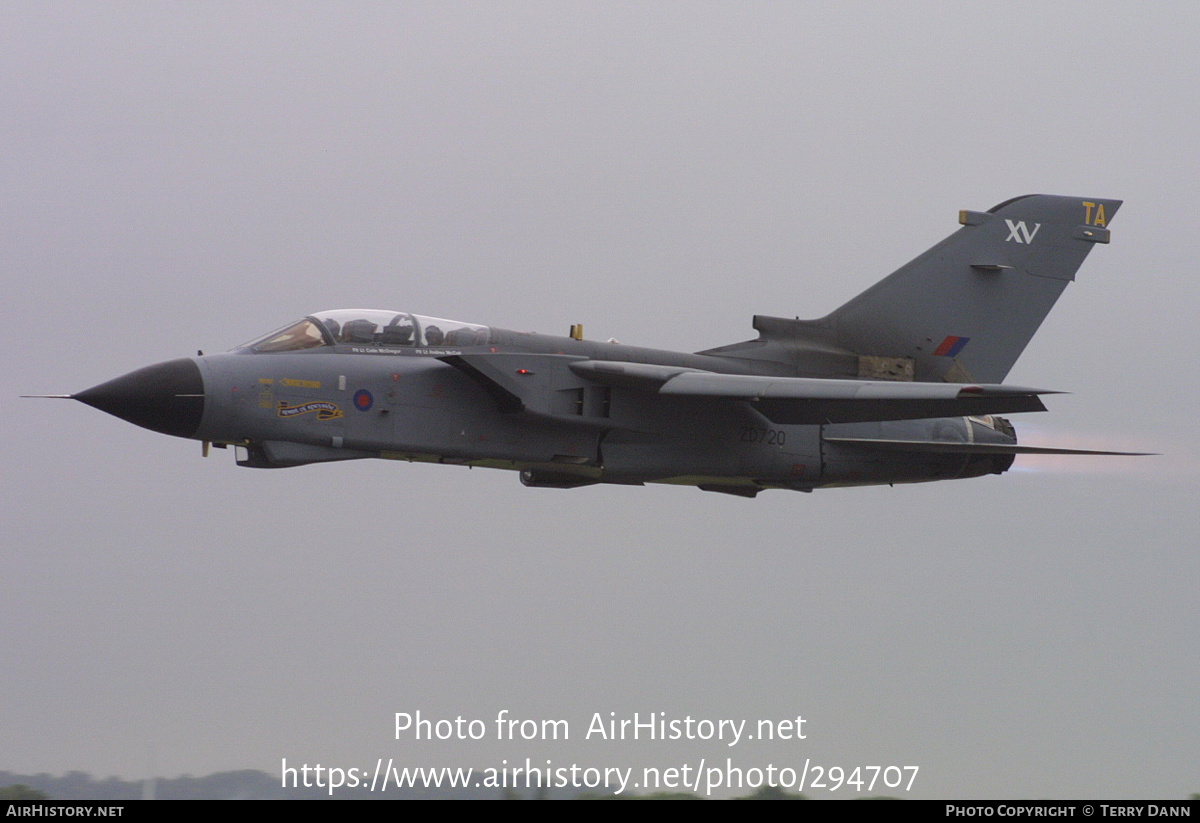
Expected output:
(947, 447)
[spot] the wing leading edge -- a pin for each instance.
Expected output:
(799, 400)
(519, 382)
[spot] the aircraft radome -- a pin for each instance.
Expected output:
(902, 384)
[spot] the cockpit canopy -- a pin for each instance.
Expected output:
(373, 328)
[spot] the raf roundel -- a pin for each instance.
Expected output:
(363, 400)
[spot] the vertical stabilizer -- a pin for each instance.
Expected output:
(965, 310)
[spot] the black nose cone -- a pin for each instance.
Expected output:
(167, 397)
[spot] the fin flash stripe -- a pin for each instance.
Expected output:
(951, 346)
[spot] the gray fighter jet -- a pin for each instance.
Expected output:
(900, 385)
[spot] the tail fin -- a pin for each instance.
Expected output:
(965, 310)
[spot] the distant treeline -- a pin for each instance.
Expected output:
(249, 784)
(246, 784)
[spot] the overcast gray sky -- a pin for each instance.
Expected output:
(188, 176)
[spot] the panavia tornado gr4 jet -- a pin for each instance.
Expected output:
(903, 384)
